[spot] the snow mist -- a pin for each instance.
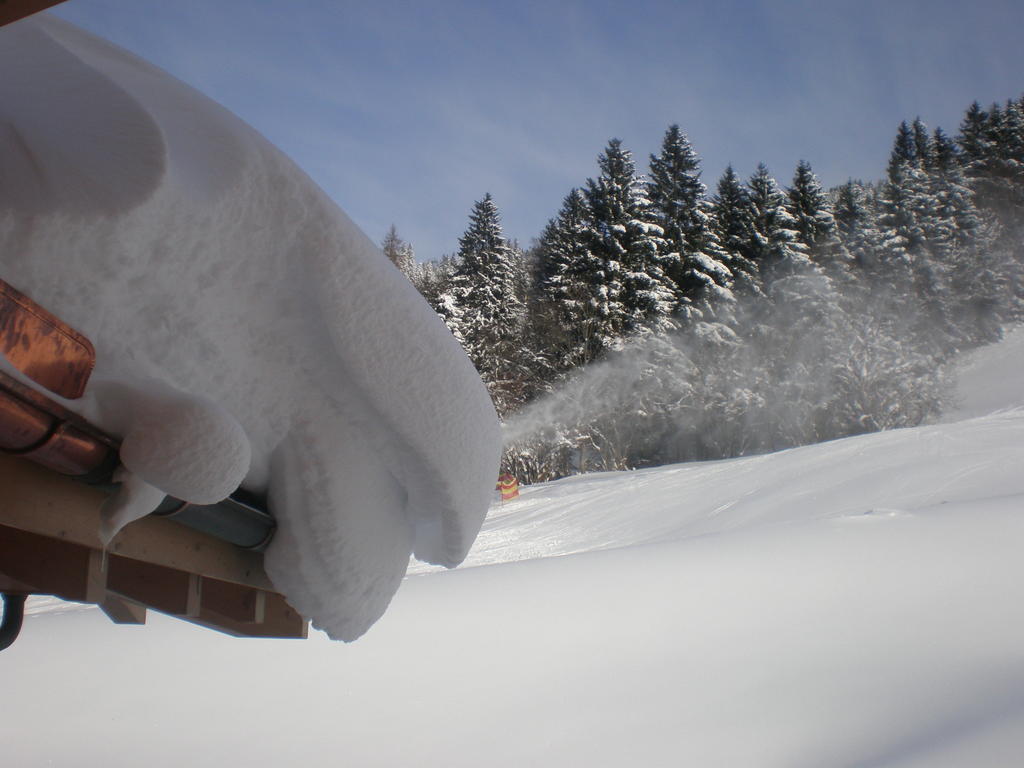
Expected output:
(797, 375)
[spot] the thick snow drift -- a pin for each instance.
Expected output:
(246, 331)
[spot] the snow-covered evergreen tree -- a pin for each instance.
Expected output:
(857, 230)
(993, 153)
(900, 198)
(773, 238)
(924, 148)
(815, 223)
(693, 258)
(731, 221)
(485, 310)
(433, 279)
(633, 293)
(399, 252)
(933, 228)
(569, 278)
(904, 148)
(810, 350)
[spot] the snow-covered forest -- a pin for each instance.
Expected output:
(656, 321)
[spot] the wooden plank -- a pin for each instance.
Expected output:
(233, 601)
(41, 501)
(51, 566)
(12, 10)
(14, 587)
(164, 589)
(95, 577)
(121, 611)
(280, 621)
(124, 588)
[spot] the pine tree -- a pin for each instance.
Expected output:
(569, 278)
(433, 280)
(633, 293)
(973, 138)
(814, 221)
(399, 252)
(924, 149)
(773, 245)
(993, 146)
(946, 158)
(964, 244)
(902, 196)
(484, 307)
(904, 149)
(857, 229)
(693, 260)
(931, 228)
(731, 221)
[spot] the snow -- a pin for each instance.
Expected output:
(246, 331)
(907, 469)
(990, 378)
(850, 603)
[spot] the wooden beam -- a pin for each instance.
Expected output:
(232, 601)
(124, 588)
(38, 500)
(51, 566)
(164, 589)
(49, 545)
(12, 10)
(280, 620)
(122, 611)
(14, 587)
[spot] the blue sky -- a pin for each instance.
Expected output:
(408, 112)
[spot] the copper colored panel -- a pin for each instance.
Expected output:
(42, 346)
(12, 10)
(38, 428)
(72, 452)
(22, 427)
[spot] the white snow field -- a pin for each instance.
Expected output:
(854, 603)
(246, 331)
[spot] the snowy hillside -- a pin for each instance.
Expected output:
(853, 603)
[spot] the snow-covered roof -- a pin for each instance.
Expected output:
(246, 331)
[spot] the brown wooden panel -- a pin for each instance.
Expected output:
(233, 601)
(14, 587)
(41, 565)
(280, 620)
(122, 611)
(165, 589)
(41, 501)
(51, 566)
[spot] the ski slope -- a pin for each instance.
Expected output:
(854, 603)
